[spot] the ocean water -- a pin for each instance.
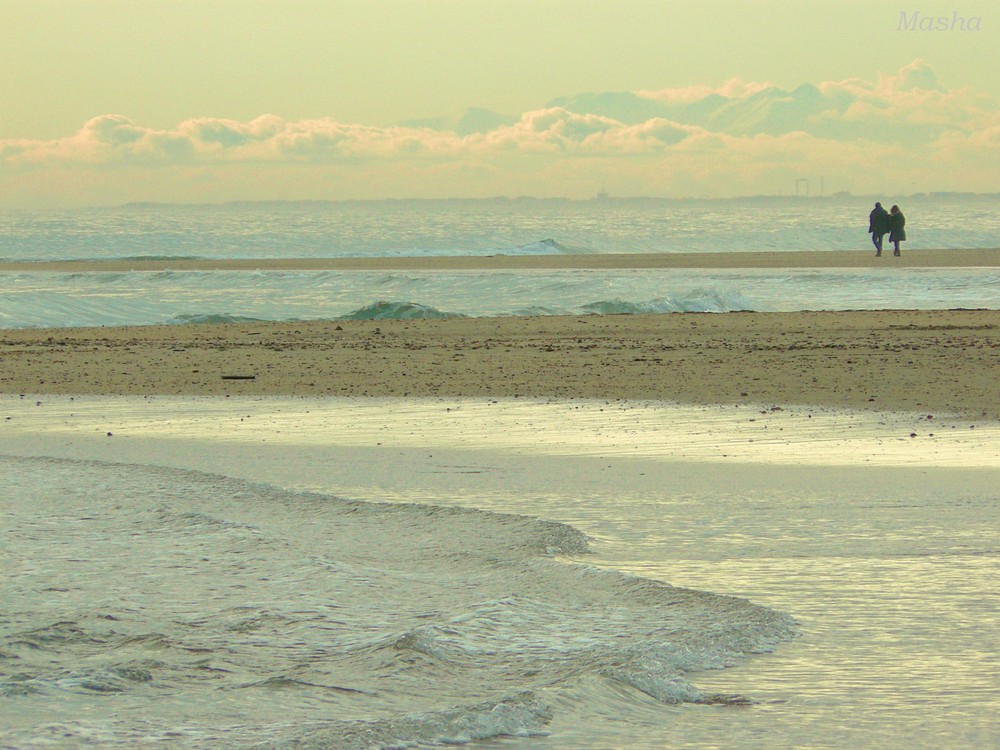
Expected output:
(173, 606)
(46, 299)
(483, 227)
(341, 573)
(356, 574)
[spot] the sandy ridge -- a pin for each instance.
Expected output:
(929, 361)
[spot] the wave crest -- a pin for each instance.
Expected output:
(547, 246)
(213, 318)
(699, 300)
(387, 310)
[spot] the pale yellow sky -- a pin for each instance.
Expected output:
(372, 64)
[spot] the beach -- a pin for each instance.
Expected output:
(933, 361)
(567, 524)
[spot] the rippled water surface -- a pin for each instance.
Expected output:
(322, 230)
(43, 299)
(145, 603)
(436, 228)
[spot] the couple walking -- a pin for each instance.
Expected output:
(882, 222)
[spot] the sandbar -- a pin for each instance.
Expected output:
(922, 258)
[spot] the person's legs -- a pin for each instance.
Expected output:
(896, 250)
(877, 240)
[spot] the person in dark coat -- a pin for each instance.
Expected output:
(897, 232)
(878, 226)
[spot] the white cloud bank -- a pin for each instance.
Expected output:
(116, 140)
(901, 132)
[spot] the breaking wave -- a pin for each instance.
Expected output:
(546, 247)
(383, 310)
(213, 318)
(701, 300)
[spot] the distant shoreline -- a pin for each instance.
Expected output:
(960, 258)
(838, 197)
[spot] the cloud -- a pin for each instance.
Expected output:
(911, 106)
(557, 131)
(734, 88)
(913, 97)
(114, 140)
(918, 75)
(705, 139)
(106, 140)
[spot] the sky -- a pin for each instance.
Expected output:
(110, 101)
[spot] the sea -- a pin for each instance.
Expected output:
(490, 573)
(483, 227)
